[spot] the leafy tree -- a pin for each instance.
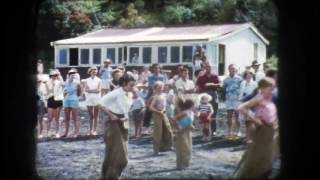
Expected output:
(177, 14)
(132, 18)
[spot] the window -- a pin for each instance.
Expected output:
(146, 55)
(84, 56)
(255, 51)
(134, 55)
(162, 54)
(125, 53)
(63, 56)
(175, 54)
(222, 55)
(187, 53)
(73, 57)
(120, 55)
(111, 54)
(97, 56)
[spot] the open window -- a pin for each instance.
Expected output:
(222, 60)
(74, 57)
(120, 55)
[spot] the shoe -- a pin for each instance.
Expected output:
(239, 134)
(57, 135)
(214, 133)
(94, 133)
(40, 136)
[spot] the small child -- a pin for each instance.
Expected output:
(184, 120)
(205, 112)
(137, 108)
(265, 109)
(162, 133)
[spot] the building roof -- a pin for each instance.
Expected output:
(160, 34)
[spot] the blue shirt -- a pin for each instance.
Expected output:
(71, 89)
(232, 86)
(105, 72)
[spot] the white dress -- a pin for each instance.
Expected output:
(92, 99)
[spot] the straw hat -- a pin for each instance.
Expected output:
(204, 94)
(53, 72)
(72, 70)
(92, 68)
(107, 61)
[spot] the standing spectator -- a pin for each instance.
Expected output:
(41, 104)
(105, 75)
(116, 105)
(93, 88)
(259, 74)
(156, 76)
(55, 97)
(162, 133)
(76, 75)
(137, 108)
(197, 63)
(209, 83)
(232, 89)
(116, 75)
(143, 77)
(72, 92)
(247, 86)
(183, 84)
(205, 111)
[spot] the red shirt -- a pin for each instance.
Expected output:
(202, 80)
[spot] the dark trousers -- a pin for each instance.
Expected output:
(147, 118)
(215, 106)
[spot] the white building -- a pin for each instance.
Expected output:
(239, 44)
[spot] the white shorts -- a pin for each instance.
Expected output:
(92, 99)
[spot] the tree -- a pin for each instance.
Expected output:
(132, 18)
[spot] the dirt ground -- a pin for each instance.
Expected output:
(82, 157)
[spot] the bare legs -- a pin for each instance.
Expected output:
(229, 120)
(54, 113)
(138, 128)
(74, 112)
(93, 121)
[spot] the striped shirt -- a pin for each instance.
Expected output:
(204, 108)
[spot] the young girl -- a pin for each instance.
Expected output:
(137, 108)
(54, 89)
(72, 92)
(247, 86)
(205, 111)
(162, 133)
(256, 163)
(41, 101)
(93, 89)
(184, 119)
